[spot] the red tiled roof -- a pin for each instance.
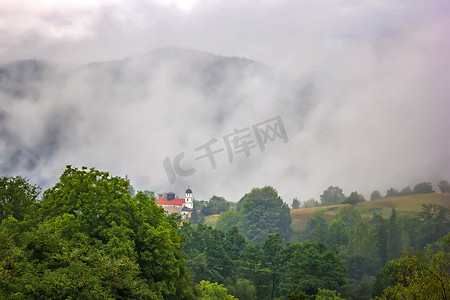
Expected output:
(164, 201)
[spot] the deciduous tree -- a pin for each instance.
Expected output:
(423, 275)
(264, 212)
(332, 196)
(312, 266)
(18, 197)
(213, 291)
(423, 188)
(295, 203)
(354, 198)
(375, 195)
(93, 241)
(392, 192)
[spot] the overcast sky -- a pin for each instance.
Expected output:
(374, 76)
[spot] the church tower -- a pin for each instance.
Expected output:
(188, 200)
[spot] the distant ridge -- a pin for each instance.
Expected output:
(411, 204)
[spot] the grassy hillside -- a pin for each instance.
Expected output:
(301, 215)
(211, 220)
(405, 204)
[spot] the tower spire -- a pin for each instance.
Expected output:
(188, 199)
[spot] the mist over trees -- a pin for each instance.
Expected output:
(354, 198)
(310, 203)
(444, 186)
(334, 195)
(406, 191)
(295, 203)
(392, 192)
(423, 188)
(375, 195)
(315, 135)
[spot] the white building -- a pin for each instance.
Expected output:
(180, 206)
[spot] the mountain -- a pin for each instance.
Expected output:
(21, 79)
(112, 113)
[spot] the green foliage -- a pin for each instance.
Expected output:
(95, 198)
(375, 195)
(315, 230)
(18, 198)
(349, 216)
(357, 266)
(296, 294)
(361, 254)
(424, 275)
(243, 289)
(387, 276)
(264, 212)
(42, 264)
(213, 254)
(381, 233)
(423, 188)
(228, 219)
(310, 203)
(272, 255)
(366, 245)
(354, 198)
(215, 206)
(295, 203)
(325, 294)
(433, 222)
(332, 196)
(392, 192)
(197, 216)
(93, 241)
(363, 242)
(311, 266)
(394, 237)
(406, 191)
(254, 270)
(89, 238)
(213, 291)
(363, 289)
(337, 234)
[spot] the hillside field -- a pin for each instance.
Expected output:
(404, 205)
(211, 220)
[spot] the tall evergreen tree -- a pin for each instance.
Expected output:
(394, 237)
(272, 252)
(381, 233)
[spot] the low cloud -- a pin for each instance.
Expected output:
(360, 87)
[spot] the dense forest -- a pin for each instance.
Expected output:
(90, 236)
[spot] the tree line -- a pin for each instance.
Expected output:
(91, 236)
(334, 195)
